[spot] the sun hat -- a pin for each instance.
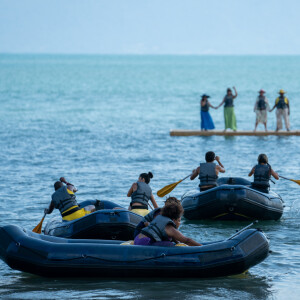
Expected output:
(281, 92)
(261, 91)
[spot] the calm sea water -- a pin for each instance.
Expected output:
(100, 121)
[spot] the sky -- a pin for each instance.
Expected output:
(217, 27)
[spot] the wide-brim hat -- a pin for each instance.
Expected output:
(261, 91)
(204, 95)
(281, 92)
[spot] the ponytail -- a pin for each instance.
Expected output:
(146, 176)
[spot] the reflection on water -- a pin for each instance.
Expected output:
(244, 286)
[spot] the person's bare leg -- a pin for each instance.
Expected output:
(265, 126)
(256, 123)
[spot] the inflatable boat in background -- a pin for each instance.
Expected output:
(106, 223)
(59, 257)
(232, 199)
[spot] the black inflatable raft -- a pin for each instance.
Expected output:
(58, 257)
(232, 199)
(106, 223)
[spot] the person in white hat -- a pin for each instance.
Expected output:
(283, 111)
(260, 108)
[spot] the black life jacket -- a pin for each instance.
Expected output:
(208, 175)
(150, 217)
(205, 108)
(281, 102)
(142, 194)
(157, 229)
(262, 175)
(63, 200)
(261, 104)
(228, 101)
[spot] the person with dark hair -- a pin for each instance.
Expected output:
(229, 115)
(152, 215)
(208, 172)
(164, 229)
(141, 193)
(262, 174)
(283, 111)
(64, 199)
(260, 108)
(206, 120)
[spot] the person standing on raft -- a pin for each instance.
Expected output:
(262, 174)
(141, 193)
(206, 120)
(64, 199)
(283, 111)
(229, 115)
(163, 230)
(208, 172)
(260, 108)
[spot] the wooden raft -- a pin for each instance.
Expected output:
(182, 132)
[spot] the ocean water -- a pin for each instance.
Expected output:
(100, 121)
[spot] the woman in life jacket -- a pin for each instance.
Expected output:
(206, 120)
(164, 229)
(64, 199)
(208, 172)
(229, 115)
(260, 108)
(152, 215)
(262, 174)
(141, 193)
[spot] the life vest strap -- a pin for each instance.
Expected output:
(69, 212)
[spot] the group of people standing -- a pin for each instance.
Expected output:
(261, 108)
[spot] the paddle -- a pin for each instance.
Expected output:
(38, 227)
(169, 188)
(297, 181)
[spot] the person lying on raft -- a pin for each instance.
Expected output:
(64, 199)
(164, 228)
(262, 174)
(208, 172)
(152, 215)
(140, 193)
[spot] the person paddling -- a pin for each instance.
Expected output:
(64, 199)
(164, 229)
(208, 172)
(141, 193)
(262, 174)
(260, 108)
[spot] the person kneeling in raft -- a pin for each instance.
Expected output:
(208, 172)
(64, 199)
(262, 174)
(164, 228)
(152, 215)
(140, 193)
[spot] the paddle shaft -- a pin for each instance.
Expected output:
(242, 230)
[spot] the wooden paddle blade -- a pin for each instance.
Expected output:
(297, 181)
(38, 227)
(167, 189)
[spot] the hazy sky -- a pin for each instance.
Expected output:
(150, 26)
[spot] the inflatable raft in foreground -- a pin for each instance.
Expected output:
(58, 257)
(106, 223)
(233, 199)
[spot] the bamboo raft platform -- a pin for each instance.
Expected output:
(182, 132)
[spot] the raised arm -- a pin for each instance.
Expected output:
(178, 236)
(235, 93)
